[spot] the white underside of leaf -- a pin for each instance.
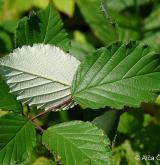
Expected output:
(40, 75)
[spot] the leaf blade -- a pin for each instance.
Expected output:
(8, 101)
(43, 27)
(74, 142)
(40, 75)
(112, 84)
(13, 131)
(90, 9)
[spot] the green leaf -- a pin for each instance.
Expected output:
(43, 161)
(40, 75)
(152, 39)
(108, 122)
(13, 9)
(153, 20)
(81, 50)
(9, 26)
(131, 121)
(65, 6)
(7, 29)
(1, 5)
(101, 26)
(118, 75)
(151, 28)
(44, 27)
(123, 4)
(17, 137)
(5, 42)
(147, 140)
(78, 143)
(127, 26)
(7, 100)
(125, 154)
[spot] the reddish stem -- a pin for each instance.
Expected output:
(54, 108)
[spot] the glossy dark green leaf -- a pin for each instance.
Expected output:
(118, 75)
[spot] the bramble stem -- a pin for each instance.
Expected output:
(38, 127)
(54, 108)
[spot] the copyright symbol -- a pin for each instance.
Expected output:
(137, 157)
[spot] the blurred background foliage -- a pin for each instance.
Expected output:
(138, 129)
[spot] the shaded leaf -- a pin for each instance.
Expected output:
(153, 20)
(17, 137)
(81, 50)
(44, 27)
(123, 4)
(147, 140)
(101, 26)
(125, 154)
(108, 122)
(131, 121)
(7, 100)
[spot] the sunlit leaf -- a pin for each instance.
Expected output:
(40, 75)
(118, 75)
(78, 143)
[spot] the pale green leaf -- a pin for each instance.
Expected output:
(1, 4)
(44, 27)
(22, 6)
(79, 36)
(17, 137)
(101, 25)
(118, 75)
(152, 39)
(43, 161)
(131, 121)
(65, 6)
(125, 154)
(40, 75)
(13, 9)
(151, 28)
(7, 100)
(78, 143)
(153, 20)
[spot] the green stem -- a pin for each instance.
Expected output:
(64, 116)
(38, 127)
